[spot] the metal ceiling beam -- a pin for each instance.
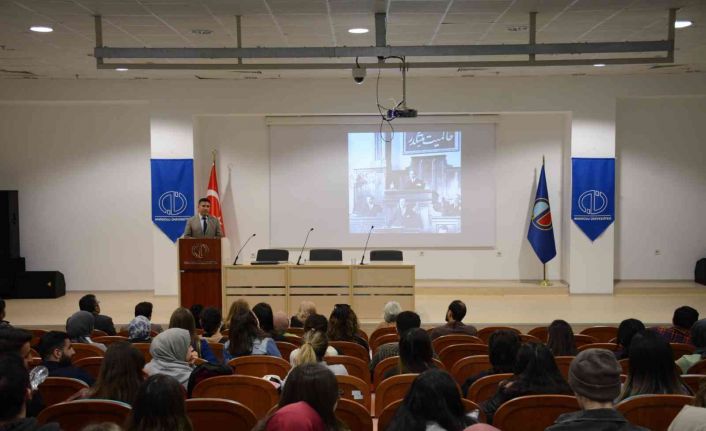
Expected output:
(388, 51)
(409, 65)
(380, 29)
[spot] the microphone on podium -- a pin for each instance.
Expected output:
(235, 262)
(304, 245)
(366, 245)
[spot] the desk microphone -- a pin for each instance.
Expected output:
(241, 249)
(366, 245)
(304, 245)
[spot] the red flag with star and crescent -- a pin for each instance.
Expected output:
(214, 199)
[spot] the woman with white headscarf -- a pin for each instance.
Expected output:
(172, 355)
(79, 327)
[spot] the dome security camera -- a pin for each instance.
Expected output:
(358, 74)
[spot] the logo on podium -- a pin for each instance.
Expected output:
(199, 251)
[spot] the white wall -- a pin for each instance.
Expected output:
(662, 187)
(243, 147)
(173, 108)
(82, 171)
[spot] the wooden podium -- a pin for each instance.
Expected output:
(200, 272)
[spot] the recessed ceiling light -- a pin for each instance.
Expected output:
(121, 69)
(682, 24)
(358, 30)
(599, 65)
(41, 29)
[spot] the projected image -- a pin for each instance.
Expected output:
(410, 183)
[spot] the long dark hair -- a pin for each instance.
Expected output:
(120, 375)
(416, 352)
(264, 315)
(243, 333)
(560, 339)
(502, 350)
(536, 372)
(627, 329)
(317, 386)
(652, 369)
(159, 406)
(433, 396)
(343, 323)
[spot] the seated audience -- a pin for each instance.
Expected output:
(405, 321)
(652, 369)
(308, 402)
(265, 316)
(503, 346)
(536, 373)
(594, 376)
(172, 355)
(79, 327)
(314, 323)
(416, 353)
(306, 309)
(145, 309)
(454, 317)
(16, 341)
(693, 417)
(195, 311)
(120, 375)
(389, 314)
(56, 352)
(682, 320)
(560, 339)
(246, 338)
(102, 322)
(211, 322)
(238, 306)
(14, 394)
(627, 329)
(139, 330)
(3, 323)
(182, 318)
(343, 325)
(313, 351)
(159, 406)
(698, 339)
(433, 403)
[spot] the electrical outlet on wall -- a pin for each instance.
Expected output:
(252, 255)
(658, 252)
(421, 252)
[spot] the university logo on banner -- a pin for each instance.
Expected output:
(172, 195)
(593, 195)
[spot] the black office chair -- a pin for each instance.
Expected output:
(395, 255)
(327, 254)
(272, 254)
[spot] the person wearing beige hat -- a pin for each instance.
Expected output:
(594, 376)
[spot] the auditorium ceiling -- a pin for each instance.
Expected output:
(67, 52)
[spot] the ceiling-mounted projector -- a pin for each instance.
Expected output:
(401, 112)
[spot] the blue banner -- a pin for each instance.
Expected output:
(541, 230)
(172, 195)
(593, 195)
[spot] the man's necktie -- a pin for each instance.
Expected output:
(204, 225)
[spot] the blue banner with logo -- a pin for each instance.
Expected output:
(172, 195)
(593, 195)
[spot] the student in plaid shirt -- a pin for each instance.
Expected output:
(684, 318)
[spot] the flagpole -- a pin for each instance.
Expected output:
(213, 153)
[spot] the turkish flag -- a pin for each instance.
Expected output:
(212, 196)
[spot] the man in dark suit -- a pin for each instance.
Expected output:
(203, 225)
(102, 322)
